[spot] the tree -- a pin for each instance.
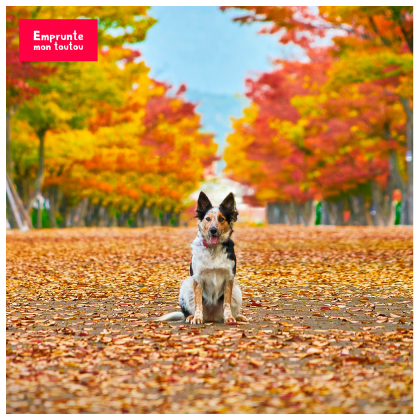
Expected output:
(274, 157)
(301, 140)
(19, 75)
(61, 101)
(139, 158)
(372, 45)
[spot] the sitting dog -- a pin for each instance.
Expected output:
(211, 293)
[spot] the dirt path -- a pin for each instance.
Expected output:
(330, 323)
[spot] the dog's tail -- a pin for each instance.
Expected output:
(173, 316)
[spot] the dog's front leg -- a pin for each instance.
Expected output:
(227, 311)
(198, 303)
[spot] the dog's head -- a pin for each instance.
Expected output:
(215, 223)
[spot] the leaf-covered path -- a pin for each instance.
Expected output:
(330, 323)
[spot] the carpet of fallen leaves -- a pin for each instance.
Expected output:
(330, 323)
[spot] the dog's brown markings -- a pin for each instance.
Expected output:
(198, 304)
(227, 311)
(215, 218)
(223, 225)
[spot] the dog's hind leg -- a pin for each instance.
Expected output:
(191, 301)
(236, 302)
(227, 304)
(186, 297)
(198, 304)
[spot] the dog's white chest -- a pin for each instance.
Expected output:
(211, 267)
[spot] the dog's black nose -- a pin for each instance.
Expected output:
(213, 230)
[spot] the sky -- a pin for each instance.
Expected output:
(202, 47)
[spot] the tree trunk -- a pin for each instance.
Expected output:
(9, 156)
(141, 214)
(276, 213)
(335, 210)
(164, 218)
(357, 205)
(407, 208)
(308, 213)
(368, 214)
(405, 188)
(10, 216)
(292, 213)
(176, 219)
(135, 222)
(269, 213)
(40, 173)
(120, 219)
(64, 212)
(126, 217)
(13, 213)
(24, 215)
(23, 186)
(170, 215)
(156, 221)
(53, 198)
(39, 215)
(280, 212)
(167, 217)
(80, 213)
(149, 219)
(103, 217)
(10, 168)
(382, 202)
(325, 217)
(393, 214)
(83, 206)
(112, 211)
(95, 215)
(395, 172)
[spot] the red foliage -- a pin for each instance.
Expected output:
(20, 75)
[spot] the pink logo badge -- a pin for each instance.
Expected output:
(58, 40)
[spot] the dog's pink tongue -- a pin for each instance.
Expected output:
(213, 240)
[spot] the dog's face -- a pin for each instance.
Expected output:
(215, 223)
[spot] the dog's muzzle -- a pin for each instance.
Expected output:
(213, 235)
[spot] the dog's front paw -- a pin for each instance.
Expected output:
(229, 319)
(198, 319)
(241, 318)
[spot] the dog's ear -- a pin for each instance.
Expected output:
(203, 206)
(228, 208)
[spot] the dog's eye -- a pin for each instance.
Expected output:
(221, 220)
(208, 219)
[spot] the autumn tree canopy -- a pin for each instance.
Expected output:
(336, 126)
(102, 140)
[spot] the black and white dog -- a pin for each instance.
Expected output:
(211, 293)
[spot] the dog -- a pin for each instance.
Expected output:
(211, 293)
